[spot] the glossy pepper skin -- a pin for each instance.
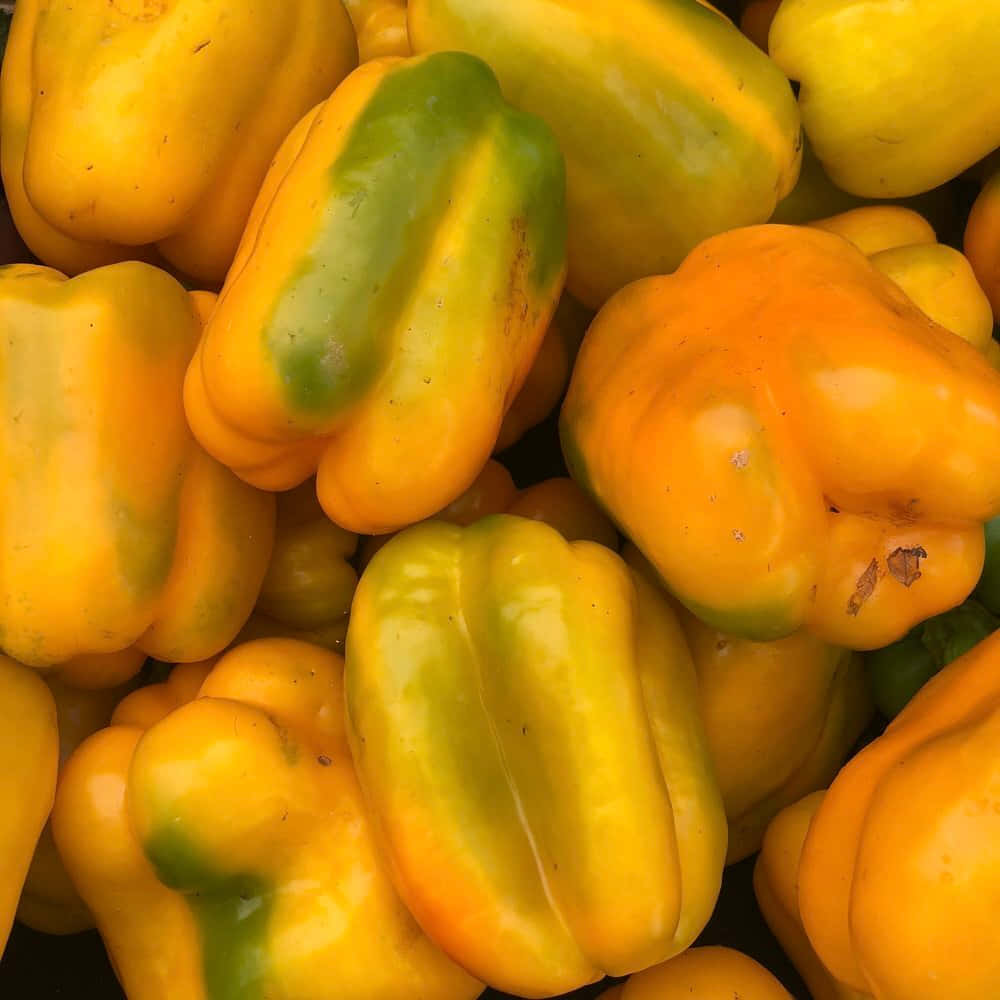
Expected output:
(119, 536)
(779, 716)
(310, 581)
(982, 239)
(763, 447)
(938, 279)
(546, 383)
(49, 902)
(901, 866)
(380, 26)
(522, 716)
(708, 973)
(203, 94)
(29, 760)
(881, 101)
(775, 884)
(217, 832)
(394, 285)
(674, 125)
(558, 502)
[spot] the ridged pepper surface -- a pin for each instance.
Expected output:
(217, 832)
(119, 536)
(775, 884)
(937, 278)
(675, 126)
(153, 121)
(779, 716)
(29, 761)
(900, 870)
(789, 440)
(522, 712)
(399, 271)
(884, 102)
(558, 502)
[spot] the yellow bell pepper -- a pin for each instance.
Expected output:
(898, 97)
(309, 584)
(902, 245)
(153, 122)
(900, 870)
(29, 760)
(223, 846)
(121, 537)
(874, 228)
(380, 26)
(49, 903)
(779, 716)
(982, 239)
(558, 502)
(707, 973)
(546, 382)
(375, 328)
(775, 884)
(789, 440)
(522, 715)
(674, 125)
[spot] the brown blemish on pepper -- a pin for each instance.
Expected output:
(904, 564)
(741, 458)
(863, 589)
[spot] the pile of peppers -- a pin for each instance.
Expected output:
(482, 474)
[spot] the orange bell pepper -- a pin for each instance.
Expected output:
(900, 870)
(789, 439)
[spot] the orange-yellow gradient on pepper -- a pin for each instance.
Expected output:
(789, 439)
(900, 870)
(779, 716)
(119, 536)
(216, 831)
(154, 121)
(775, 884)
(707, 973)
(400, 269)
(29, 761)
(522, 711)
(49, 902)
(937, 278)
(673, 124)
(558, 502)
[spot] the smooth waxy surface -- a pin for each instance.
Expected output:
(883, 101)
(674, 125)
(521, 714)
(154, 121)
(118, 530)
(225, 852)
(29, 760)
(900, 870)
(391, 292)
(806, 449)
